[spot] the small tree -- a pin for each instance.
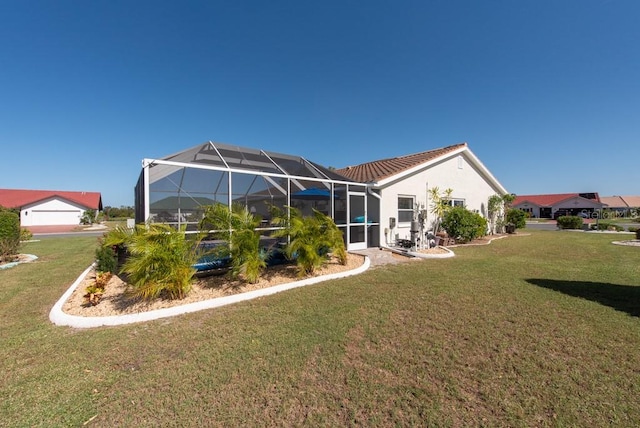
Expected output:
(497, 209)
(440, 204)
(9, 234)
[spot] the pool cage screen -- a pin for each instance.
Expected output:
(175, 189)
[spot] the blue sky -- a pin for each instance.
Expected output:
(546, 92)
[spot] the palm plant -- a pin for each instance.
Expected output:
(440, 204)
(237, 226)
(160, 260)
(310, 238)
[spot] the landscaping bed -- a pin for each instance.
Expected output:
(117, 301)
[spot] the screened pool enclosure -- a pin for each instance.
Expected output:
(176, 188)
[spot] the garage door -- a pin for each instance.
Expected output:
(46, 218)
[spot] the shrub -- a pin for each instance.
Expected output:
(106, 259)
(638, 234)
(88, 217)
(516, 217)
(311, 238)
(160, 261)
(95, 291)
(569, 222)
(25, 235)
(237, 226)
(603, 225)
(9, 234)
(464, 225)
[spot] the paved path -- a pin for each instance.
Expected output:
(379, 257)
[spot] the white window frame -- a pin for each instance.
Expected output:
(404, 210)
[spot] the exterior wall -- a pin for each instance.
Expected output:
(51, 212)
(467, 182)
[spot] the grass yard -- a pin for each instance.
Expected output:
(539, 330)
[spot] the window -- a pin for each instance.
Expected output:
(405, 208)
(456, 202)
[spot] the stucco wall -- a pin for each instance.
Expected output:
(466, 181)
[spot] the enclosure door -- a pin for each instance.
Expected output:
(357, 237)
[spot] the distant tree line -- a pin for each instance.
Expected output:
(122, 212)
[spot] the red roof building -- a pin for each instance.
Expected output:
(50, 207)
(555, 204)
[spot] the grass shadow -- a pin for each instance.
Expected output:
(625, 298)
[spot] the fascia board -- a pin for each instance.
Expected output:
(473, 158)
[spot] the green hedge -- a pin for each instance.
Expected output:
(569, 222)
(9, 234)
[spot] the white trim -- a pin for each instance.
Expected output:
(472, 157)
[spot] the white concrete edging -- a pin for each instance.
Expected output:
(58, 317)
(31, 258)
(446, 255)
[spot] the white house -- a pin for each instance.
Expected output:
(362, 200)
(397, 186)
(50, 207)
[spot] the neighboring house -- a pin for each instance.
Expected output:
(553, 205)
(50, 207)
(398, 186)
(621, 205)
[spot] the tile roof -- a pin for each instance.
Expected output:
(377, 170)
(552, 199)
(613, 201)
(543, 200)
(17, 198)
(632, 201)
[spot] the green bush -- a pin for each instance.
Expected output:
(516, 217)
(464, 225)
(604, 225)
(106, 259)
(25, 235)
(9, 234)
(237, 226)
(569, 222)
(160, 261)
(311, 238)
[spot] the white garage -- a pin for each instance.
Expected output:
(50, 208)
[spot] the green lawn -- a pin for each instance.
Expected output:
(538, 330)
